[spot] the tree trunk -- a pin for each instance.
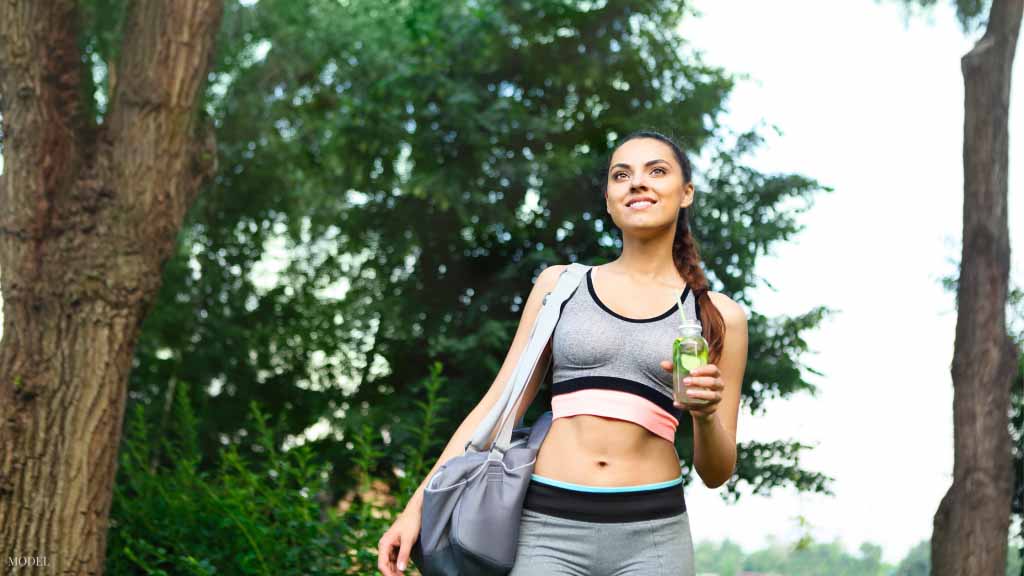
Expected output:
(972, 523)
(88, 215)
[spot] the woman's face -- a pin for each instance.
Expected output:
(645, 168)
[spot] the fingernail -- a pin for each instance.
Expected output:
(687, 380)
(401, 566)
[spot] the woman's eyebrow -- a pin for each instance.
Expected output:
(648, 163)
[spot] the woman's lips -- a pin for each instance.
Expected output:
(641, 205)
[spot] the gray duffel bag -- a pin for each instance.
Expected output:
(473, 504)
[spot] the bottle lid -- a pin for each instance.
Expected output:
(690, 326)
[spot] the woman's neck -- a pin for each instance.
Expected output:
(646, 261)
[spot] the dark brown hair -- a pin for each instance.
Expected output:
(685, 251)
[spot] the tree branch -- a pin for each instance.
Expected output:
(165, 58)
(40, 73)
(1001, 33)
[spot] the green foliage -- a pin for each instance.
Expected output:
(722, 559)
(814, 558)
(918, 562)
(255, 514)
(242, 519)
(373, 518)
(258, 512)
(811, 559)
(971, 14)
(99, 44)
(423, 435)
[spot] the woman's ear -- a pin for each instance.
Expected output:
(688, 192)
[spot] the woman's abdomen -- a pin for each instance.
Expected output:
(598, 451)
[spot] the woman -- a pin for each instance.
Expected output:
(606, 496)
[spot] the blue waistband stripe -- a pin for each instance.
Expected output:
(605, 489)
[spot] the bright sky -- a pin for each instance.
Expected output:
(874, 109)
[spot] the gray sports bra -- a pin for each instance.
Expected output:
(596, 349)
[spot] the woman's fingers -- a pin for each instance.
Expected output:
(385, 563)
(706, 370)
(704, 395)
(403, 554)
(711, 396)
(709, 371)
(705, 382)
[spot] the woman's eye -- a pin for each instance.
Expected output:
(662, 170)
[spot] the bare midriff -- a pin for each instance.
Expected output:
(598, 451)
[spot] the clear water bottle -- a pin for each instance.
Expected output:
(689, 351)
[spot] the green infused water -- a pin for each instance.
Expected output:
(689, 351)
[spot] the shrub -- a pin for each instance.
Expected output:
(257, 514)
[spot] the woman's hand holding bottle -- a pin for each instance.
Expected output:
(703, 386)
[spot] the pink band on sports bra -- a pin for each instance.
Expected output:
(616, 404)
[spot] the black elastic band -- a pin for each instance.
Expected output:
(606, 507)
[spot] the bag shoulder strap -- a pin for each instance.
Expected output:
(502, 413)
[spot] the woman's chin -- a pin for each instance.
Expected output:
(645, 228)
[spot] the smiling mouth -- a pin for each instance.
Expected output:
(641, 204)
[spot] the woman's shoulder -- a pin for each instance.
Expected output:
(732, 312)
(549, 276)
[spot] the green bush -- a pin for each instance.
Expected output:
(255, 515)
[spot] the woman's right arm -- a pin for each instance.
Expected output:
(395, 545)
(545, 283)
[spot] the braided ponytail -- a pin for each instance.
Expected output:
(686, 255)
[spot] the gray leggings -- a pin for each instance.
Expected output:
(556, 542)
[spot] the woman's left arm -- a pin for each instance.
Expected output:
(714, 423)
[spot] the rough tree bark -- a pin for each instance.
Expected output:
(973, 519)
(89, 213)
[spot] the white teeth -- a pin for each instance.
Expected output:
(640, 204)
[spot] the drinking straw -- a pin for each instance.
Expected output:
(681, 313)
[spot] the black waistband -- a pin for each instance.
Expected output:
(605, 506)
